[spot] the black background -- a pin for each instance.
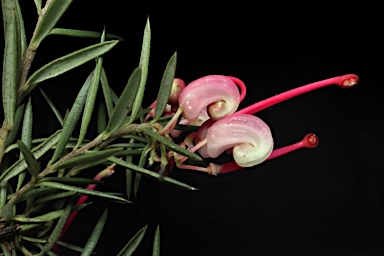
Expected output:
(323, 201)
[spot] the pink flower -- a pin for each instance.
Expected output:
(217, 94)
(249, 137)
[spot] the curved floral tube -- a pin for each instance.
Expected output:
(248, 135)
(216, 93)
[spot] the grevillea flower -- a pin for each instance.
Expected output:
(215, 95)
(218, 94)
(249, 137)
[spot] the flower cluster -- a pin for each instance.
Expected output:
(212, 102)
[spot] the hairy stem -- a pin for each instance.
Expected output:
(4, 132)
(80, 151)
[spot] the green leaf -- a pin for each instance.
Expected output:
(131, 246)
(79, 168)
(34, 240)
(90, 101)
(72, 118)
(144, 62)
(81, 190)
(51, 14)
(101, 118)
(22, 40)
(26, 130)
(10, 71)
(129, 172)
(16, 124)
(38, 152)
(129, 152)
(55, 196)
(94, 238)
(82, 33)
(165, 87)
(107, 92)
(124, 104)
(136, 184)
(33, 164)
(156, 242)
(7, 211)
(172, 146)
(142, 161)
(56, 231)
(26, 138)
(70, 246)
(86, 158)
(52, 106)
(3, 190)
(72, 180)
(66, 63)
(150, 174)
(38, 6)
(48, 216)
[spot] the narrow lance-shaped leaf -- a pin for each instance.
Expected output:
(66, 63)
(26, 138)
(129, 173)
(81, 190)
(71, 247)
(51, 14)
(3, 184)
(8, 7)
(90, 101)
(165, 87)
(33, 165)
(56, 231)
(151, 174)
(26, 129)
(132, 245)
(144, 62)
(107, 93)
(21, 37)
(124, 104)
(55, 196)
(53, 107)
(142, 161)
(16, 124)
(172, 146)
(9, 81)
(82, 33)
(101, 118)
(50, 216)
(72, 118)
(72, 180)
(86, 158)
(38, 6)
(156, 242)
(20, 165)
(94, 238)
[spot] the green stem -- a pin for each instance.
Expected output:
(4, 132)
(98, 140)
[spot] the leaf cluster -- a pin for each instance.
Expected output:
(41, 179)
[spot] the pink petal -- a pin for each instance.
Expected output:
(248, 135)
(201, 93)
